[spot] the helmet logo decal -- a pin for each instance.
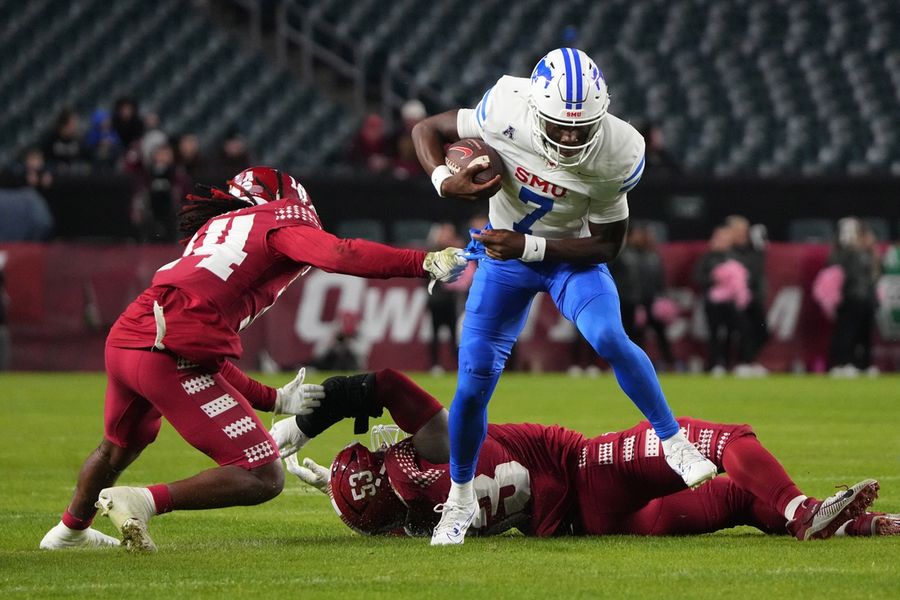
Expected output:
(542, 70)
(596, 76)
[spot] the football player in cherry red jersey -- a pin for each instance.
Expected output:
(554, 481)
(168, 355)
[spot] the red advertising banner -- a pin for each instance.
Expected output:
(64, 297)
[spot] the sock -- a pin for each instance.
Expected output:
(754, 469)
(791, 509)
(73, 522)
(462, 493)
(161, 498)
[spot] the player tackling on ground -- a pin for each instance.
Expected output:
(168, 354)
(561, 212)
(553, 481)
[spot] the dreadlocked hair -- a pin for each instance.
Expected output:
(208, 202)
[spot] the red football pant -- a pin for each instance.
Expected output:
(208, 412)
(625, 485)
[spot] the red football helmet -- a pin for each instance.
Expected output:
(361, 494)
(265, 184)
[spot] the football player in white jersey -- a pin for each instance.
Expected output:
(557, 215)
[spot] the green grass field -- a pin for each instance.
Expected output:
(825, 432)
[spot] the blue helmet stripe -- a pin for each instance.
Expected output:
(579, 94)
(566, 59)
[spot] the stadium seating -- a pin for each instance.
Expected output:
(170, 56)
(748, 87)
(761, 87)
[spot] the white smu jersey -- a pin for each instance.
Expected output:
(535, 197)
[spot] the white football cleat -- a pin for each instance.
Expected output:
(816, 519)
(61, 537)
(684, 458)
(129, 509)
(455, 521)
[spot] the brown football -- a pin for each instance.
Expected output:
(463, 153)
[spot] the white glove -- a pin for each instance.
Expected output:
(298, 398)
(445, 265)
(288, 436)
(310, 473)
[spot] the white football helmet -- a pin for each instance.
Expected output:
(567, 90)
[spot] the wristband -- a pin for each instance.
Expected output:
(535, 246)
(438, 176)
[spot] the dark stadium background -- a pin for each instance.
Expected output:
(785, 112)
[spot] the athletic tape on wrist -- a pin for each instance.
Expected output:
(535, 247)
(438, 176)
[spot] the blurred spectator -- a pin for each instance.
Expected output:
(126, 121)
(640, 279)
(188, 156)
(30, 171)
(341, 355)
(370, 147)
(723, 282)
(26, 217)
(153, 138)
(444, 301)
(5, 342)
(62, 149)
(406, 164)
(754, 332)
(164, 186)
(231, 158)
(658, 160)
(851, 340)
(101, 142)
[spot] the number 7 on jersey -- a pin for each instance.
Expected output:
(545, 205)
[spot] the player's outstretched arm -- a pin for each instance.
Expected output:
(317, 248)
(603, 245)
(259, 395)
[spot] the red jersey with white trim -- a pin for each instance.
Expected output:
(234, 268)
(554, 481)
(523, 479)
